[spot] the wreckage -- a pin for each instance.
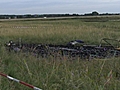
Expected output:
(106, 49)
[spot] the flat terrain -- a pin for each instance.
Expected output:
(55, 73)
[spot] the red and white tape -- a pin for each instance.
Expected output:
(21, 82)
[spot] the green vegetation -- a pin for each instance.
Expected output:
(59, 73)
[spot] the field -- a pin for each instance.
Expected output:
(59, 73)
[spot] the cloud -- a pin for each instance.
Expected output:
(57, 6)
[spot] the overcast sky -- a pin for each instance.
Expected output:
(58, 6)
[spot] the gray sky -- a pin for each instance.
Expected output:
(58, 6)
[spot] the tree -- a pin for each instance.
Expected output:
(94, 13)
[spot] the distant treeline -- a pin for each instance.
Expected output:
(53, 15)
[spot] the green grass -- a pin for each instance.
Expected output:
(59, 73)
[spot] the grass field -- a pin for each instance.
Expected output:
(55, 73)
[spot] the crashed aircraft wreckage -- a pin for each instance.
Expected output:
(76, 48)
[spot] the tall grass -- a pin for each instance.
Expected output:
(59, 31)
(58, 73)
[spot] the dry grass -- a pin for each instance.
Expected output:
(55, 73)
(60, 31)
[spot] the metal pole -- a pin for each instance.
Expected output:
(21, 82)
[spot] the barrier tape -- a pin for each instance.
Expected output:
(21, 82)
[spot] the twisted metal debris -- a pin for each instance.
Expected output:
(76, 48)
